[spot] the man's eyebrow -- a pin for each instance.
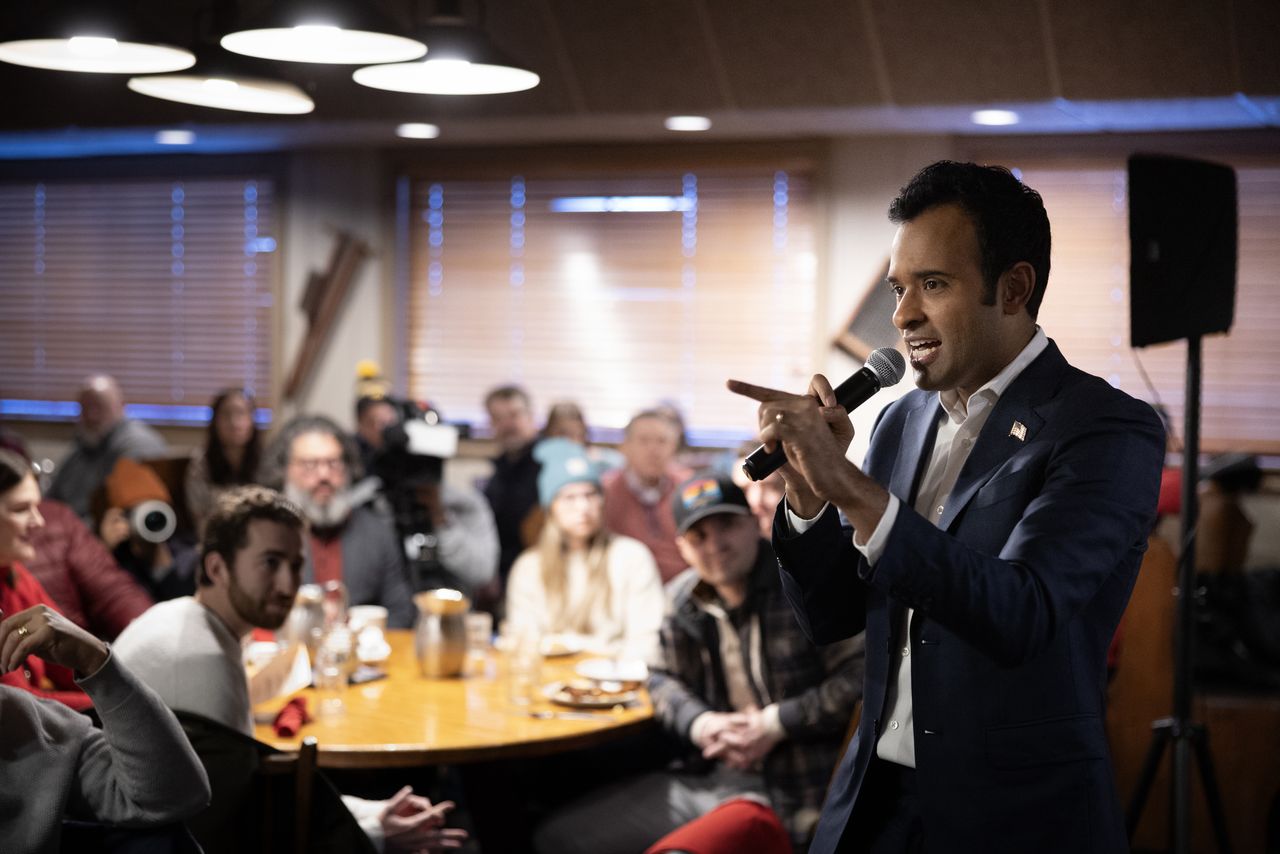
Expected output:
(919, 274)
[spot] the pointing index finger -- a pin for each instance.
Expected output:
(757, 393)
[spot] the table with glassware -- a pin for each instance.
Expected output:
(406, 719)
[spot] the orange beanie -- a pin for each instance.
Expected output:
(131, 483)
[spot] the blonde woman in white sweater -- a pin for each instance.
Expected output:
(580, 582)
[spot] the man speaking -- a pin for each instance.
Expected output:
(997, 527)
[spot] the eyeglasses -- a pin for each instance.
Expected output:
(315, 464)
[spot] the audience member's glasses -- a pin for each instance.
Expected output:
(315, 464)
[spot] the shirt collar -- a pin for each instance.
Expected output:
(987, 394)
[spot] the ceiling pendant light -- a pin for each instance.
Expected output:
(82, 37)
(324, 31)
(460, 61)
(226, 83)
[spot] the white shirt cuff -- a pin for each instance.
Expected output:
(874, 546)
(368, 814)
(799, 525)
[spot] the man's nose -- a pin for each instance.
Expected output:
(907, 313)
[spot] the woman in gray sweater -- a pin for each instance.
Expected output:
(137, 770)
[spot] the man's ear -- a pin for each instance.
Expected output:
(1017, 284)
(215, 567)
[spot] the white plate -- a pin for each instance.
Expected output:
(555, 646)
(558, 692)
(612, 670)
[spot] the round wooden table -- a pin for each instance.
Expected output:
(407, 720)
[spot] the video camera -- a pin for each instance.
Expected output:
(411, 468)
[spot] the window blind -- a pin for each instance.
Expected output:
(1086, 307)
(167, 284)
(612, 290)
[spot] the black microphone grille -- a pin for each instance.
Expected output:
(888, 366)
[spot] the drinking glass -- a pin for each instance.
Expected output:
(479, 637)
(334, 662)
(524, 667)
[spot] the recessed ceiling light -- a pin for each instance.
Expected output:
(246, 94)
(687, 123)
(175, 137)
(96, 55)
(417, 130)
(446, 77)
(994, 118)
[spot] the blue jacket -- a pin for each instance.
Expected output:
(1017, 593)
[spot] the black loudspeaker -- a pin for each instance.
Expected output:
(1182, 248)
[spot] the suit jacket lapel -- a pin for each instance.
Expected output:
(914, 448)
(1011, 426)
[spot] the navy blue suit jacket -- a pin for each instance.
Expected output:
(1017, 593)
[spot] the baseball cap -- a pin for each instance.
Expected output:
(706, 495)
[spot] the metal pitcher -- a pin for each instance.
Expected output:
(440, 639)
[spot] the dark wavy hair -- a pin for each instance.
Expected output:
(272, 470)
(220, 469)
(1008, 216)
(227, 529)
(14, 469)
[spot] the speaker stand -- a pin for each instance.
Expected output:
(1188, 739)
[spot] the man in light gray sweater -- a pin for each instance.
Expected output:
(137, 770)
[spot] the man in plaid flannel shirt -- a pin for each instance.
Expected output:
(760, 710)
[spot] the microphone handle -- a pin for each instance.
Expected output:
(850, 394)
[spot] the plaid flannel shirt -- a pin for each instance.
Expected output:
(816, 688)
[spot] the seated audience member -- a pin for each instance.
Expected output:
(637, 497)
(580, 579)
(103, 436)
(159, 556)
(80, 575)
(566, 420)
(138, 769)
(512, 489)
(315, 463)
(230, 456)
(189, 650)
(764, 496)
(761, 711)
(20, 519)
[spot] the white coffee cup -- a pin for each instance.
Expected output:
(360, 616)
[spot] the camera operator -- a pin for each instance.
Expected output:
(139, 526)
(447, 530)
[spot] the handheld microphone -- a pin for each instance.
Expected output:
(884, 367)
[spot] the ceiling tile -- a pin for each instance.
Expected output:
(639, 55)
(942, 52)
(794, 54)
(1142, 48)
(1257, 27)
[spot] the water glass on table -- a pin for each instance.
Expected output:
(479, 626)
(334, 662)
(524, 666)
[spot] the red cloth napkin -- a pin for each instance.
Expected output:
(291, 718)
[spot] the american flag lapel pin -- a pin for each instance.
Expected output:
(1018, 431)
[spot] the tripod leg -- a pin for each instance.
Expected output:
(1159, 738)
(1209, 779)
